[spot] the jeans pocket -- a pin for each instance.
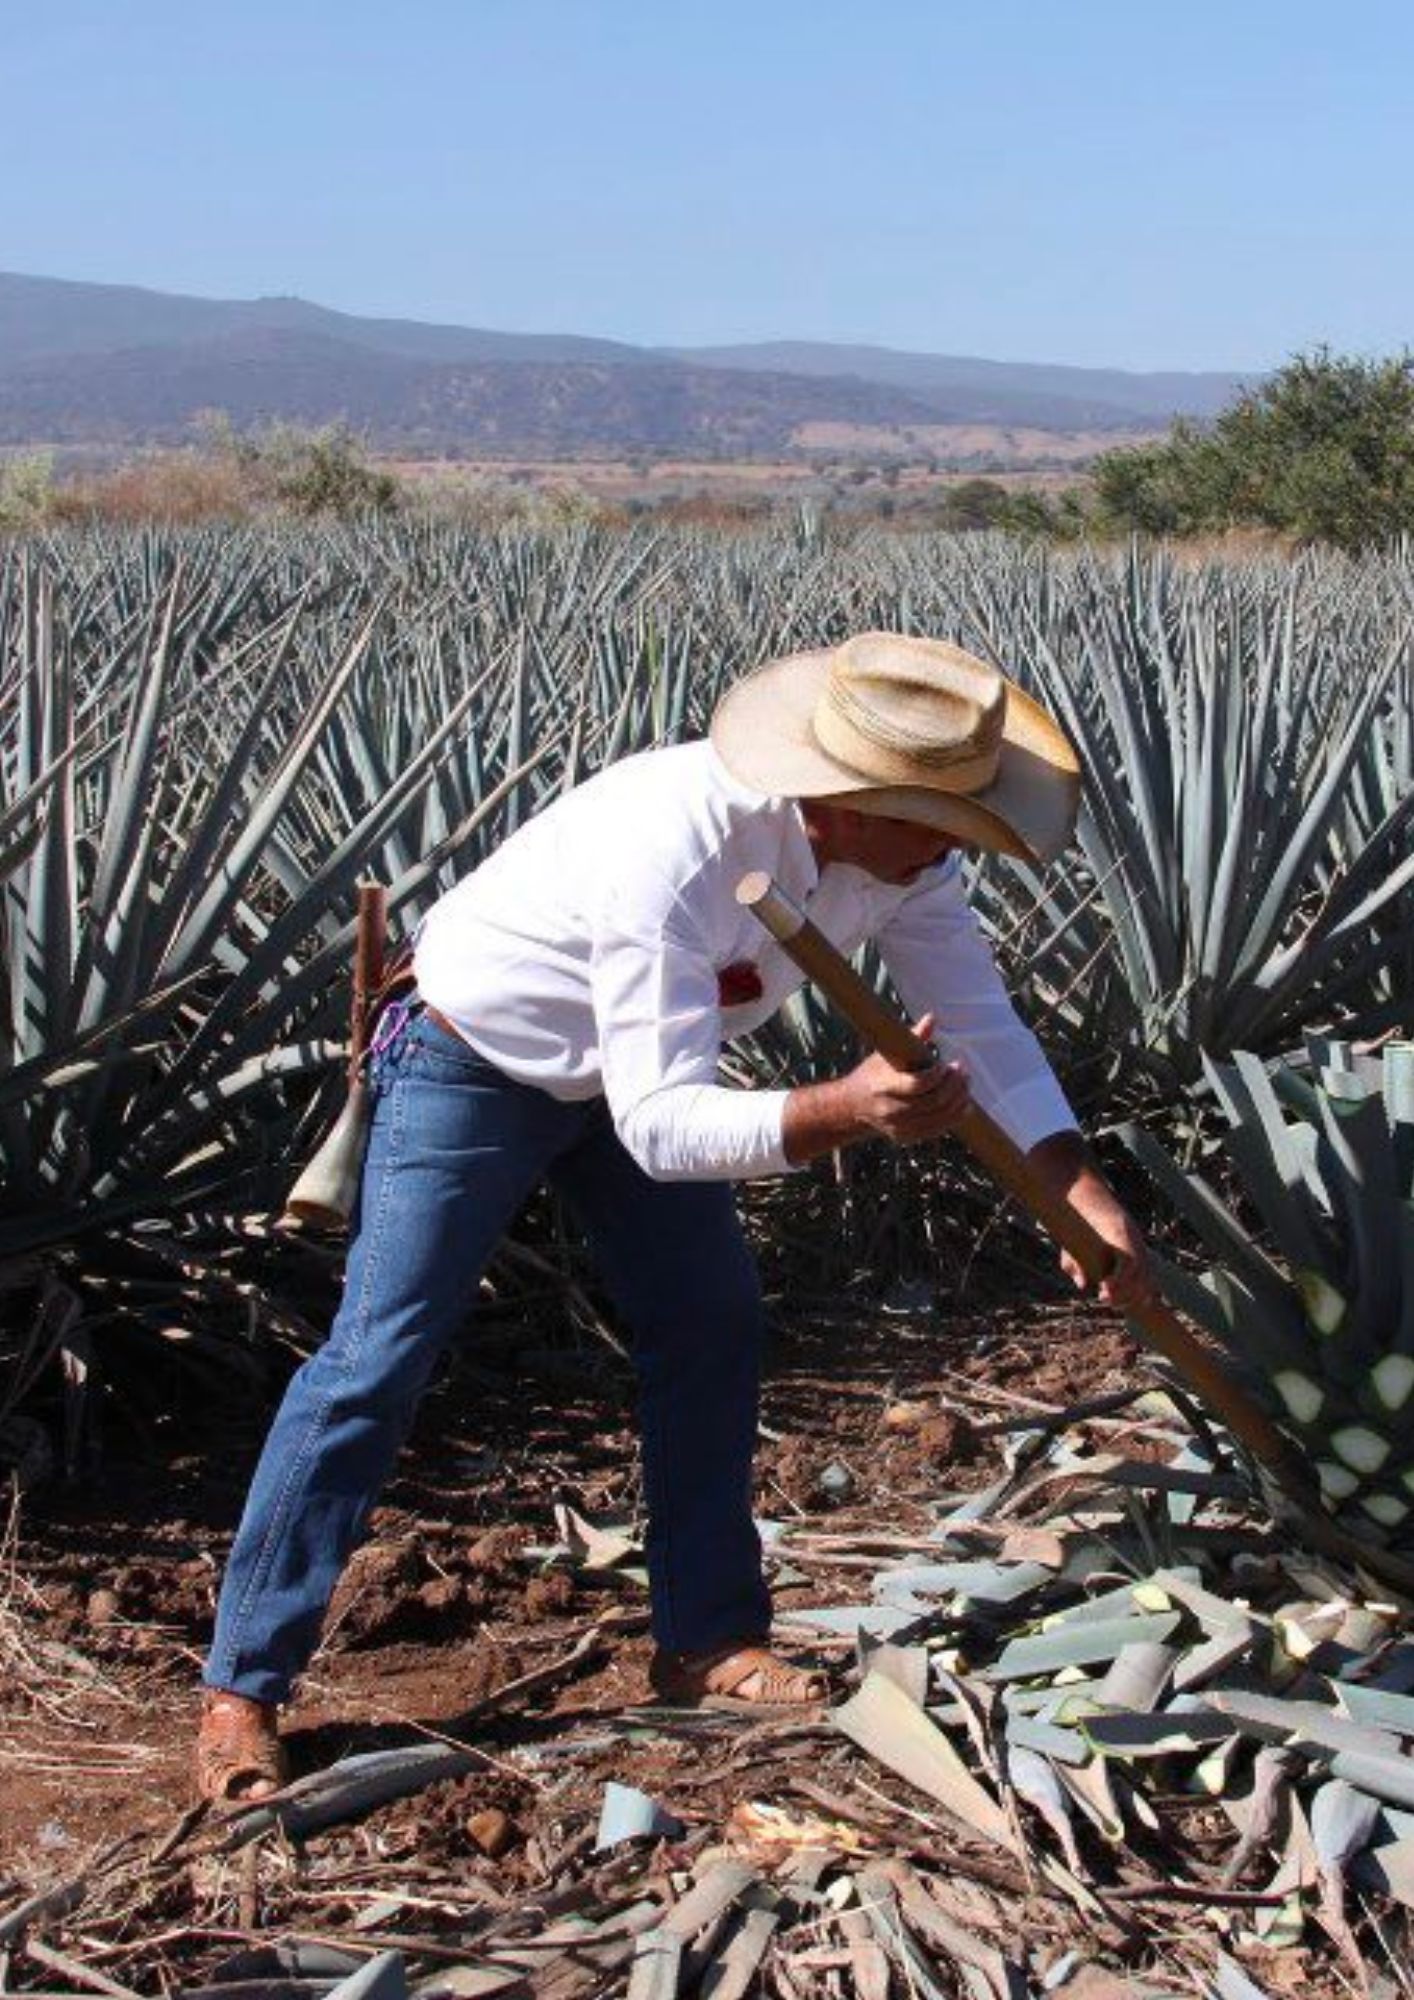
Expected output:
(440, 1054)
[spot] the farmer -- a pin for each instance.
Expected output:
(574, 993)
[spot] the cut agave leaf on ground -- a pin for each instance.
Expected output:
(467, 1981)
(1079, 1645)
(1343, 1821)
(1365, 1631)
(1215, 1614)
(868, 1960)
(1213, 1773)
(350, 1788)
(1396, 1675)
(905, 1666)
(1059, 1703)
(1132, 1801)
(1183, 1505)
(1032, 1543)
(1122, 1602)
(1376, 1707)
(1034, 1779)
(885, 1723)
(1092, 1788)
(979, 1706)
(1138, 1676)
(1047, 1738)
(1141, 1734)
(972, 1507)
(1395, 1824)
(880, 1621)
(1389, 1870)
(657, 1966)
(594, 1547)
(719, 1884)
(628, 1814)
(1136, 1474)
(1389, 1775)
(1261, 1815)
(1303, 1633)
(383, 1978)
(732, 1972)
(1273, 1719)
(1201, 1664)
(1230, 1982)
(1283, 1924)
(985, 1582)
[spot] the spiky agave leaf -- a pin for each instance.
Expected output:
(1328, 1313)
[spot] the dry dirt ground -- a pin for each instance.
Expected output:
(1032, 462)
(449, 1598)
(105, 1606)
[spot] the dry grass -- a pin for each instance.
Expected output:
(174, 488)
(40, 1677)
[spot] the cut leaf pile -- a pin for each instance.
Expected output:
(1119, 1734)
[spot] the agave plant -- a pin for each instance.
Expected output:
(205, 738)
(1243, 868)
(1318, 1317)
(178, 849)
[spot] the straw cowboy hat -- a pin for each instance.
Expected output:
(909, 728)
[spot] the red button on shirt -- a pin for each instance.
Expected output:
(738, 983)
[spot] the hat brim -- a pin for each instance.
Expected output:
(763, 733)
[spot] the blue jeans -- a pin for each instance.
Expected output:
(455, 1147)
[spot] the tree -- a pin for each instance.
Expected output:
(309, 469)
(1323, 450)
(26, 490)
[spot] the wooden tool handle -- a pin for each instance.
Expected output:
(884, 1030)
(370, 946)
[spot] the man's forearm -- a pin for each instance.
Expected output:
(1066, 1165)
(874, 1101)
(819, 1118)
(1061, 1160)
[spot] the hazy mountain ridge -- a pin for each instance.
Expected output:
(498, 408)
(45, 318)
(1104, 391)
(116, 364)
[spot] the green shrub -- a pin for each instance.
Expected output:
(1323, 451)
(26, 490)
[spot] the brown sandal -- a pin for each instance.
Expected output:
(736, 1677)
(239, 1755)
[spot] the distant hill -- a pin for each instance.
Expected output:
(113, 365)
(494, 409)
(994, 391)
(43, 318)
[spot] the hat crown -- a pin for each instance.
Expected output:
(908, 728)
(905, 710)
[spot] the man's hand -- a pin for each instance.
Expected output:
(1064, 1161)
(875, 1100)
(1130, 1282)
(906, 1106)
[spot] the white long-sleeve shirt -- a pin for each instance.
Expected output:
(584, 956)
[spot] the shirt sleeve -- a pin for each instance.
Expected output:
(654, 991)
(941, 964)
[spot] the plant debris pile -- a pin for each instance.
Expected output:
(1098, 1730)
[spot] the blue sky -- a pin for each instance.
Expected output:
(1193, 186)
